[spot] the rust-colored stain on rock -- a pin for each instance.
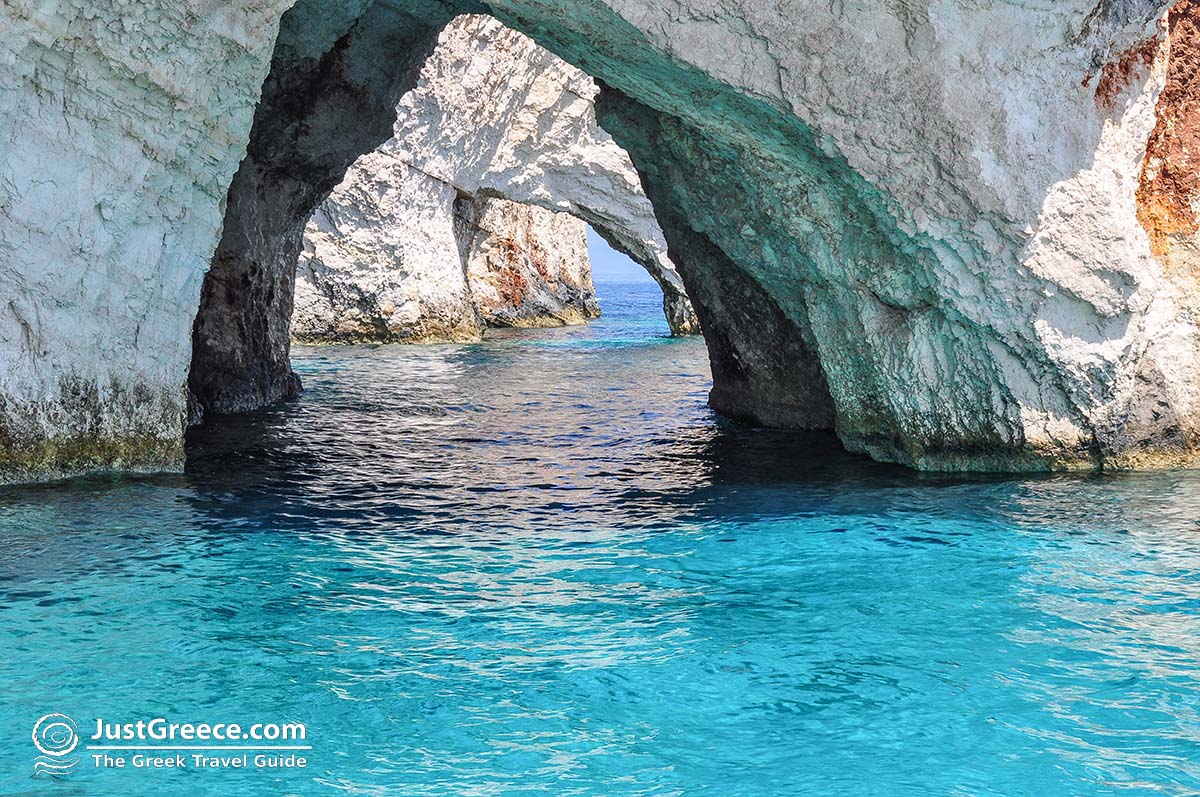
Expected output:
(512, 288)
(1170, 180)
(510, 284)
(1116, 76)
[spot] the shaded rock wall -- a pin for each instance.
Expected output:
(493, 115)
(334, 83)
(764, 364)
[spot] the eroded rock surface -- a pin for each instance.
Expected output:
(526, 266)
(493, 116)
(331, 94)
(970, 218)
(382, 262)
(121, 125)
(397, 256)
(937, 197)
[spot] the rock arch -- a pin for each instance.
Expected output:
(330, 96)
(935, 224)
(765, 373)
(494, 120)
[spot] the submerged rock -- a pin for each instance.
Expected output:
(962, 232)
(493, 116)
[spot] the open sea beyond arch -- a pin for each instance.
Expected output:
(541, 566)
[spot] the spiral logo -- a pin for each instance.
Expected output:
(55, 735)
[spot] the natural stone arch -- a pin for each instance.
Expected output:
(499, 116)
(494, 118)
(940, 202)
(763, 369)
(975, 283)
(334, 83)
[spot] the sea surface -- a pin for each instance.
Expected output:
(541, 566)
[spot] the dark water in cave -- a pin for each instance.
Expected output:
(540, 565)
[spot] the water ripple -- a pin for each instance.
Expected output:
(540, 565)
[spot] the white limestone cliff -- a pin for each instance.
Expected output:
(121, 125)
(962, 232)
(493, 115)
(397, 256)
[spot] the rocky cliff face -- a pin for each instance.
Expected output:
(968, 227)
(942, 203)
(396, 256)
(526, 266)
(122, 125)
(493, 116)
(382, 261)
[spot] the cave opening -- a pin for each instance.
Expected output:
(849, 239)
(394, 190)
(482, 209)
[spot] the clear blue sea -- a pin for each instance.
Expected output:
(541, 566)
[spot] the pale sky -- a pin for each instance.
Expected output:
(611, 266)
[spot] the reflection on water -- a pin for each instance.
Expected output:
(541, 565)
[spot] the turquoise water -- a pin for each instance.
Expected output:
(540, 566)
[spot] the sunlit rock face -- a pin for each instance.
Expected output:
(526, 266)
(397, 256)
(970, 226)
(493, 116)
(382, 262)
(122, 125)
